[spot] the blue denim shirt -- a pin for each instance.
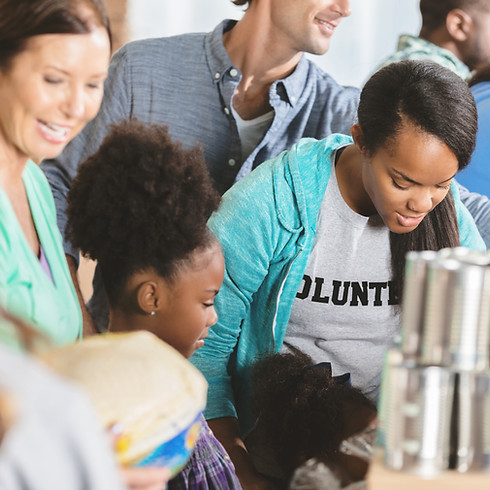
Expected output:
(187, 82)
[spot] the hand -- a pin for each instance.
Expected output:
(143, 477)
(147, 478)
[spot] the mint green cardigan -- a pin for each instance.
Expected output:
(266, 225)
(25, 288)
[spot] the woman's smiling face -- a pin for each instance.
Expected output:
(408, 177)
(50, 90)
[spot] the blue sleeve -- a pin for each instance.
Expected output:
(246, 225)
(116, 106)
(472, 230)
(478, 207)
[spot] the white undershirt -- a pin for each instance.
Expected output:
(251, 131)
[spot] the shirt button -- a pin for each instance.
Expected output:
(226, 111)
(233, 72)
(231, 162)
(217, 75)
(293, 99)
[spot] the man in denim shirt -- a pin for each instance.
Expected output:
(243, 92)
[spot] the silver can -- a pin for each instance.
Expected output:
(456, 328)
(436, 335)
(472, 422)
(414, 299)
(415, 418)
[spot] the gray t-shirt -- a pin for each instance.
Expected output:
(343, 312)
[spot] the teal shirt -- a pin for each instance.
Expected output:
(266, 225)
(25, 289)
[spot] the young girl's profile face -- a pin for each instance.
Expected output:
(408, 177)
(187, 311)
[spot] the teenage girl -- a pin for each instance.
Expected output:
(315, 239)
(139, 206)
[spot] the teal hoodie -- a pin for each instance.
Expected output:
(266, 226)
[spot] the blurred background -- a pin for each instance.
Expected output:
(360, 43)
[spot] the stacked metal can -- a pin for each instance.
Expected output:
(435, 396)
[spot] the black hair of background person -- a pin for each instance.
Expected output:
(422, 93)
(141, 201)
(434, 12)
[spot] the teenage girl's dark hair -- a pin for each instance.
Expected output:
(22, 19)
(141, 201)
(439, 102)
(304, 413)
(434, 12)
(242, 2)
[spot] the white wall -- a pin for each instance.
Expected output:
(360, 43)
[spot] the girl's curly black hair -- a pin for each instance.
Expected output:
(303, 410)
(141, 201)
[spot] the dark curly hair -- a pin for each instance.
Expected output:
(302, 409)
(141, 201)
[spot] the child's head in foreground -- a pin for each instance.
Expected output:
(310, 414)
(139, 206)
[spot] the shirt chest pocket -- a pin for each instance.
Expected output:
(18, 296)
(32, 299)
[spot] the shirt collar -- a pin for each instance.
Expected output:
(288, 89)
(293, 85)
(218, 59)
(413, 43)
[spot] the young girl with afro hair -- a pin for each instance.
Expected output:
(306, 415)
(139, 206)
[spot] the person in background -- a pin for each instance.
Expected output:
(54, 57)
(139, 206)
(455, 34)
(50, 435)
(476, 177)
(304, 413)
(243, 92)
(55, 440)
(319, 268)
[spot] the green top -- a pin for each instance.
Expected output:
(416, 48)
(25, 288)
